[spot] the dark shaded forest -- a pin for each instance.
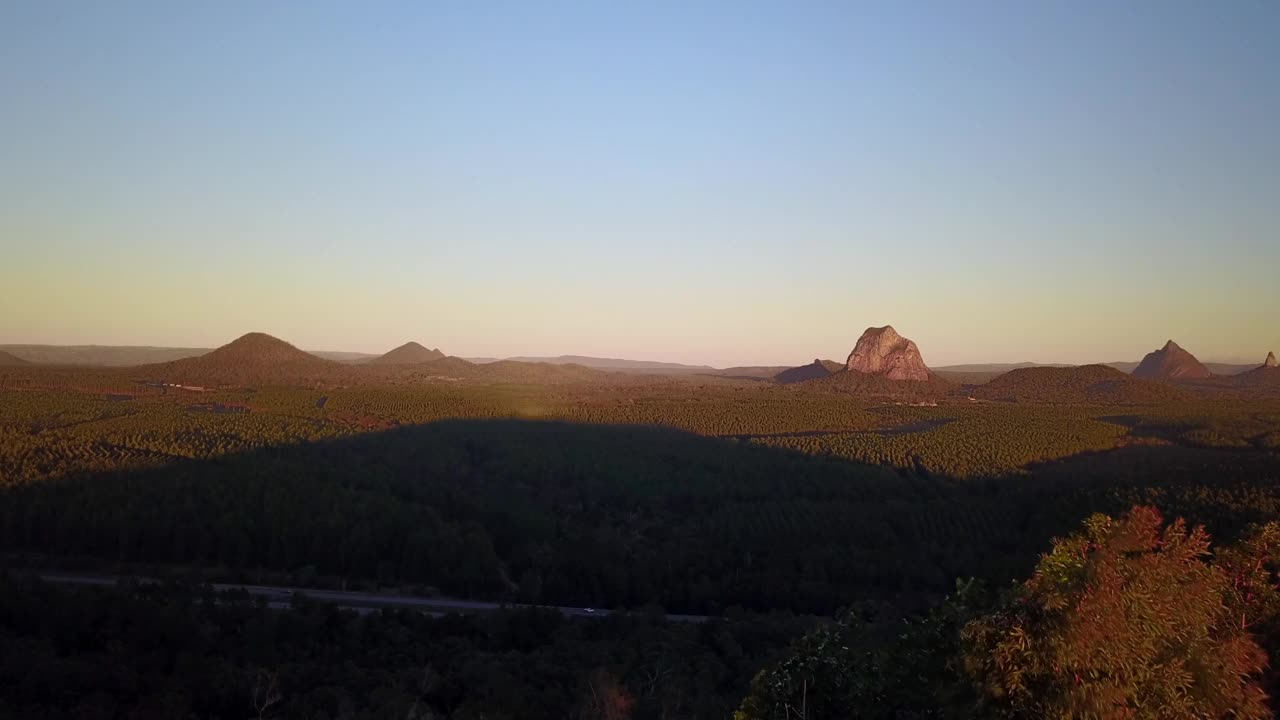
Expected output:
(177, 651)
(755, 504)
(563, 514)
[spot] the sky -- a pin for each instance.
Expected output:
(729, 183)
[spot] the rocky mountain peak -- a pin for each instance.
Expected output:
(1270, 361)
(882, 351)
(1169, 362)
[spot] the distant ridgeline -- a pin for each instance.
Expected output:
(882, 364)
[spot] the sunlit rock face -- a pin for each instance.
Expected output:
(882, 351)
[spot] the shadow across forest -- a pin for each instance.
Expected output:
(612, 516)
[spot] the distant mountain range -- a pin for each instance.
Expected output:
(883, 365)
(1125, 367)
(132, 355)
(615, 363)
(995, 367)
(257, 359)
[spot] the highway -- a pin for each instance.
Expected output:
(281, 597)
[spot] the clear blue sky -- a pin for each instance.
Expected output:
(718, 182)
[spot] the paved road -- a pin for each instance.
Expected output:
(281, 597)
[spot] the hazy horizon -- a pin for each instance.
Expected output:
(731, 184)
(839, 357)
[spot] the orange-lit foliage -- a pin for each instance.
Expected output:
(1124, 620)
(1252, 566)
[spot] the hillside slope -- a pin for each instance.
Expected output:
(1086, 384)
(851, 382)
(101, 355)
(9, 359)
(1262, 381)
(512, 371)
(815, 370)
(252, 359)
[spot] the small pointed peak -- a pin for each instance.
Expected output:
(1270, 361)
(409, 353)
(1171, 345)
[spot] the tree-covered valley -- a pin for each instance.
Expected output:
(776, 509)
